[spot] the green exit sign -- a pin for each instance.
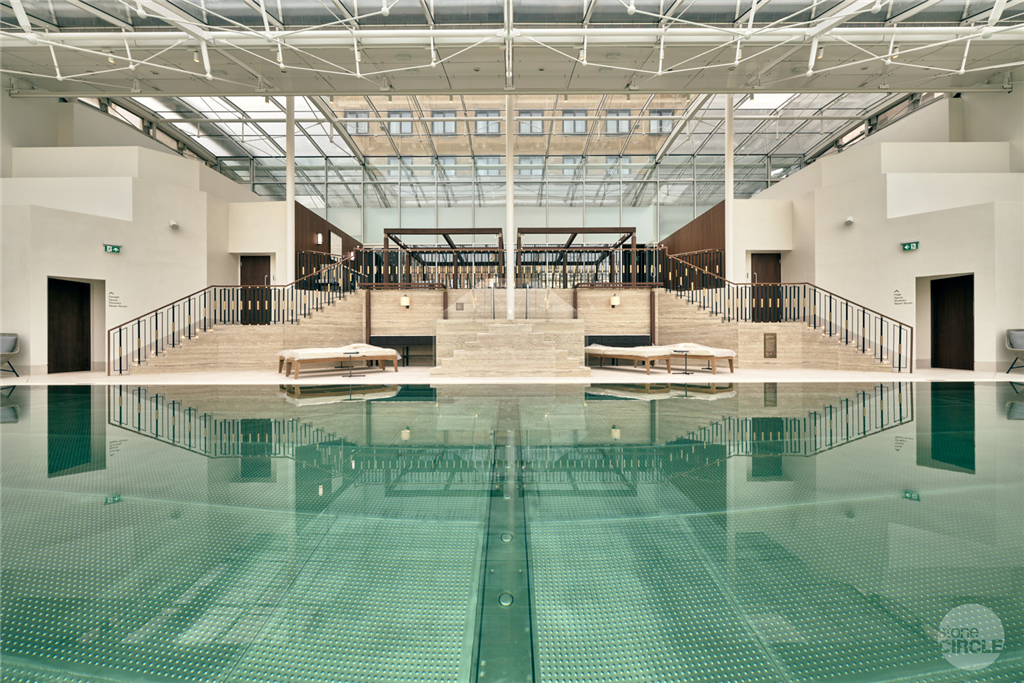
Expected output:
(110, 500)
(912, 495)
(112, 248)
(910, 246)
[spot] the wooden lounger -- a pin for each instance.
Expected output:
(711, 358)
(647, 360)
(289, 363)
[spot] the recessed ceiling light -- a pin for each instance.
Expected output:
(476, 68)
(540, 69)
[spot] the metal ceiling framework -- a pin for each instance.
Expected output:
(213, 77)
(194, 47)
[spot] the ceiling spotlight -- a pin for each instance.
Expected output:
(195, 56)
(110, 58)
(821, 52)
(384, 9)
(631, 10)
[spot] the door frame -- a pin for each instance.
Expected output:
(97, 326)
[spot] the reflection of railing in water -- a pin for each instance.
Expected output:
(154, 415)
(886, 406)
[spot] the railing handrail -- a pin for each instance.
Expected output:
(207, 287)
(783, 284)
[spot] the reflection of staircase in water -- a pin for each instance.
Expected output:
(835, 424)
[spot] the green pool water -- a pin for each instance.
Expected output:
(563, 533)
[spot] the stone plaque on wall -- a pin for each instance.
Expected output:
(771, 345)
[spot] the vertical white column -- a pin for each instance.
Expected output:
(510, 215)
(730, 265)
(289, 161)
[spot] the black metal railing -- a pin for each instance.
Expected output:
(836, 317)
(459, 268)
(134, 342)
(554, 267)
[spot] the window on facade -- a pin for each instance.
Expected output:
(394, 167)
(661, 126)
(488, 166)
(488, 127)
(447, 165)
(531, 165)
(357, 127)
(400, 127)
(617, 122)
(571, 127)
(444, 127)
(571, 165)
(531, 127)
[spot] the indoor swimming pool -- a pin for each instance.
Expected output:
(564, 533)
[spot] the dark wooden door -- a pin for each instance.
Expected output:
(68, 326)
(767, 303)
(254, 276)
(953, 322)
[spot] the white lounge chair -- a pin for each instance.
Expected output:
(296, 358)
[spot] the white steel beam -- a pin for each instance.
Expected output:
(687, 117)
(564, 37)
(339, 127)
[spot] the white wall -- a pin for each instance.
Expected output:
(25, 123)
(760, 227)
(256, 229)
(64, 204)
(938, 121)
(960, 200)
(997, 117)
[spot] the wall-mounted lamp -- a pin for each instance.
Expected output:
(404, 301)
(849, 221)
(615, 300)
(406, 434)
(173, 225)
(319, 238)
(616, 433)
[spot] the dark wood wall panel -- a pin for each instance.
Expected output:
(308, 224)
(706, 231)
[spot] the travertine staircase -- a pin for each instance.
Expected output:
(510, 348)
(255, 347)
(798, 346)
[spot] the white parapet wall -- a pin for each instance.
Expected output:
(62, 205)
(848, 215)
